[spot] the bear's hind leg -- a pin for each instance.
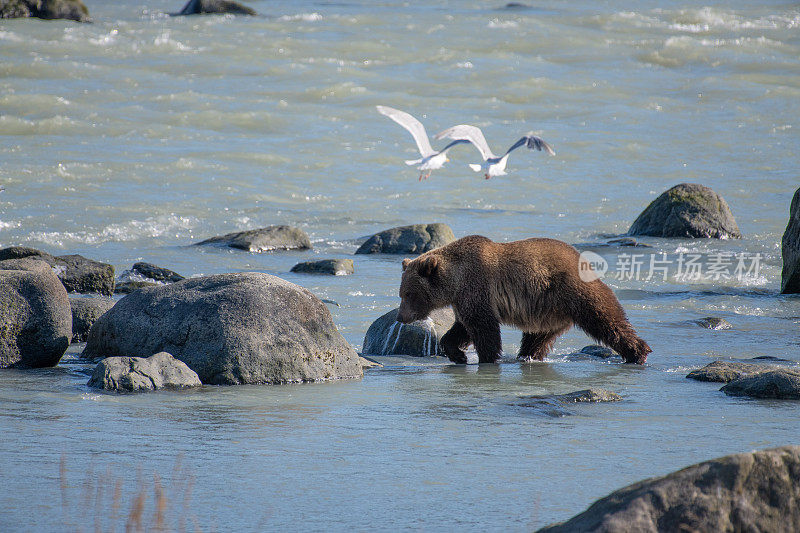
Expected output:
(535, 346)
(453, 343)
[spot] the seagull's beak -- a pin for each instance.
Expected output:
(446, 159)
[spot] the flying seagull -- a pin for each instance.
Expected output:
(431, 159)
(492, 164)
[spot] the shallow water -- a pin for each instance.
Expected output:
(132, 137)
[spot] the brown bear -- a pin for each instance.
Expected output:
(534, 285)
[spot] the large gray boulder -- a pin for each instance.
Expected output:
(205, 7)
(85, 312)
(334, 267)
(754, 492)
(35, 318)
(780, 384)
(45, 9)
(387, 336)
(790, 249)
(726, 371)
(263, 239)
(230, 329)
(77, 273)
(415, 239)
(140, 374)
(687, 210)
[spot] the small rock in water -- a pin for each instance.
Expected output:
(589, 396)
(595, 350)
(368, 363)
(211, 7)
(155, 273)
(712, 322)
(781, 384)
(263, 239)
(415, 239)
(336, 267)
(45, 9)
(726, 371)
(628, 241)
(387, 336)
(687, 210)
(139, 374)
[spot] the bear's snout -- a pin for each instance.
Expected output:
(405, 316)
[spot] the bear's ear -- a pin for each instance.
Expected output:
(406, 261)
(429, 266)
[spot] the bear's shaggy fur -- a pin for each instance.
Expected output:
(533, 285)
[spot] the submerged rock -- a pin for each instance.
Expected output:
(35, 318)
(587, 396)
(712, 322)
(595, 350)
(790, 249)
(336, 267)
(780, 384)
(415, 239)
(205, 7)
(139, 374)
(85, 312)
(45, 9)
(263, 239)
(369, 363)
(756, 491)
(230, 329)
(387, 336)
(687, 210)
(77, 273)
(726, 371)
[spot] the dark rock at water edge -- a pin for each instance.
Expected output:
(756, 491)
(595, 350)
(155, 273)
(687, 210)
(210, 7)
(140, 374)
(230, 329)
(781, 384)
(45, 9)
(85, 312)
(335, 267)
(35, 319)
(387, 336)
(77, 273)
(726, 371)
(415, 239)
(712, 322)
(263, 239)
(582, 396)
(790, 249)
(127, 287)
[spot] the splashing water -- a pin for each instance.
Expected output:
(389, 337)
(431, 344)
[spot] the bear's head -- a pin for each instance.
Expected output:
(423, 288)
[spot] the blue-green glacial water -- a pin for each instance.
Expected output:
(132, 137)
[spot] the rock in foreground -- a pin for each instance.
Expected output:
(687, 210)
(85, 312)
(387, 336)
(781, 384)
(727, 371)
(77, 273)
(44, 9)
(334, 267)
(756, 491)
(210, 7)
(35, 318)
(230, 329)
(414, 239)
(264, 239)
(790, 249)
(139, 374)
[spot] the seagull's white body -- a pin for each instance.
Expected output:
(431, 159)
(492, 165)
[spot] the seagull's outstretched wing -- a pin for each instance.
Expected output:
(468, 133)
(458, 141)
(414, 127)
(532, 142)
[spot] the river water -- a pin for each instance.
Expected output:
(132, 137)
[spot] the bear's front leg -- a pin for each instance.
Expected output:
(484, 330)
(454, 341)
